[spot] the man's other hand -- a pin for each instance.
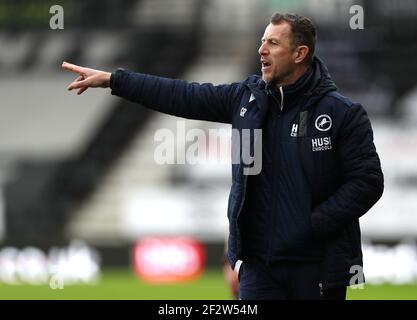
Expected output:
(88, 78)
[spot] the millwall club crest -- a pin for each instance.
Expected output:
(323, 122)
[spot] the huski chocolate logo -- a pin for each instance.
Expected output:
(321, 144)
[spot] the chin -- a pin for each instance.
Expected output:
(266, 79)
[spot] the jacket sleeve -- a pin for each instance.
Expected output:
(175, 97)
(362, 177)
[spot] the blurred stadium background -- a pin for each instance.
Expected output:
(85, 208)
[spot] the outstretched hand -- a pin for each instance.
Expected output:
(88, 78)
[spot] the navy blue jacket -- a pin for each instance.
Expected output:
(275, 221)
(339, 162)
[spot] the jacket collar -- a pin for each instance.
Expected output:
(258, 89)
(319, 84)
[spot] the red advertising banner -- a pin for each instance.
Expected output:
(168, 259)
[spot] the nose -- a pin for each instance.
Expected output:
(263, 50)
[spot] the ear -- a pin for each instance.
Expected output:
(300, 53)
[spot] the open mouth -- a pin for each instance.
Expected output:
(265, 64)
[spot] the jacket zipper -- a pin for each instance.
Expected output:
(245, 182)
(282, 98)
(276, 129)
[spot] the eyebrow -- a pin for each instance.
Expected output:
(270, 39)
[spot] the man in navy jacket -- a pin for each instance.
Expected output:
(294, 224)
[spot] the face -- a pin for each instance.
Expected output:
(277, 54)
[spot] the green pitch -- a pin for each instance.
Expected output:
(123, 284)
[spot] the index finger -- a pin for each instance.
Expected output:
(72, 67)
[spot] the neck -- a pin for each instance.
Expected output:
(293, 77)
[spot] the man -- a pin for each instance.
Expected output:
(294, 227)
